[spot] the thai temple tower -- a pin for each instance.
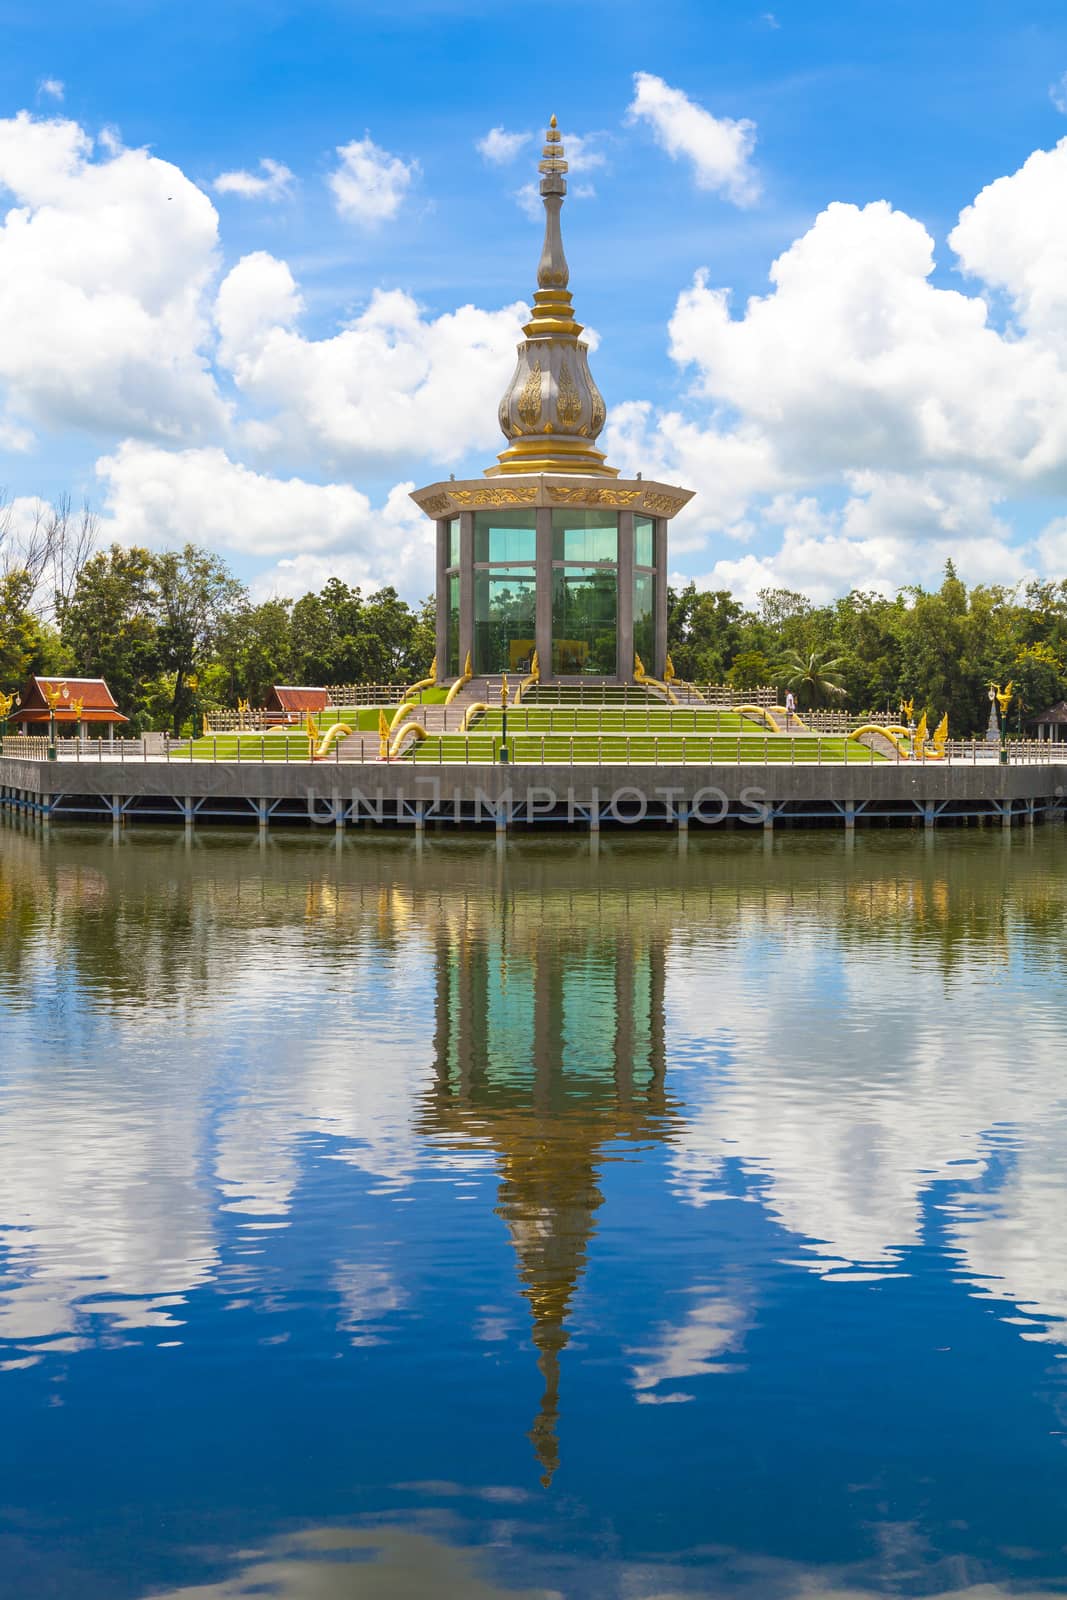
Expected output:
(551, 551)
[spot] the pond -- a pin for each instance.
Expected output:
(618, 1219)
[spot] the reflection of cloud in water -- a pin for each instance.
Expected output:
(106, 1192)
(393, 1563)
(100, 1197)
(367, 1294)
(382, 1564)
(713, 1327)
(849, 1085)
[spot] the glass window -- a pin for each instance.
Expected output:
(584, 620)
(585, 536)
(645, 618)
(453, 626)
(505, 608)
(453, 541)
(643, 527)
(505, 536)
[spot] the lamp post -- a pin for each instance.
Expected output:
(504, 718)
(53, 696)
(1004, 699)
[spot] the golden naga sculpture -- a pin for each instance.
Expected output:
(405, 709)
(411, 733)
(464, 678)
(761, 714)
(646, 682)
(429, 682)
(471, 715)
(383, 736)
(941, 733)
(332, 736)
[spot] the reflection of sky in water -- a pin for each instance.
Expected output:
(643, 1226)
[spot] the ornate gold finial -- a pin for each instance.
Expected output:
(553, 410)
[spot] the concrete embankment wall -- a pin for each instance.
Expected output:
(346, 794)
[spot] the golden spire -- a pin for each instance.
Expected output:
(552, 411)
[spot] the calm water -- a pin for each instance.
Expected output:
(377, 1223)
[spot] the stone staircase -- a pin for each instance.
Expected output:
(435, 719)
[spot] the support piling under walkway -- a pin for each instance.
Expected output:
(419, 796)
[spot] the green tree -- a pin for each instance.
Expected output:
(253, 651)
(109, 624)
(813, 677)
(22, 639)
(703, 632)
(195, 589)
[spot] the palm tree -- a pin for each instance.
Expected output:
(808, 675)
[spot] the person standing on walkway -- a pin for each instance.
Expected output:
(790, 707)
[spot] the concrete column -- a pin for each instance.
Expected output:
(659, 550)
(625, 656)
(543, 621)
(441, 635)
(466, 585)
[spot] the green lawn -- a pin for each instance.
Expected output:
(280, 744)
(667, 749)
(633, 720)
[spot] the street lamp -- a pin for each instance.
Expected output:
(1004, 699)
(53, 696)
(504, 718)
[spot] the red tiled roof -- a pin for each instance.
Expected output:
(286, 697)
(98, 703)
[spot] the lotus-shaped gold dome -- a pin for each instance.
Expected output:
(552, 411)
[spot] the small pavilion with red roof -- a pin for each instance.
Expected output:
(80, 701)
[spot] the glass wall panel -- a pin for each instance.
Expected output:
(585, 535)
(645, 618)
(452, 667)
(505, 536)
(585, 605)
(453, 541)
(643, 542)
(504, 615)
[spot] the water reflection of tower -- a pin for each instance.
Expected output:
(549, 1047)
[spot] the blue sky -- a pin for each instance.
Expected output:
(169, 346)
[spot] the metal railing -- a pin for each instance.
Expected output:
(530, 747)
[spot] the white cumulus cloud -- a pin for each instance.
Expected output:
(273, 181)
(499, 146)
(899, 420)
(394, 382)
(369, 184)
(104, 260)
(162, 498)
(720, 148)
(53, 88)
